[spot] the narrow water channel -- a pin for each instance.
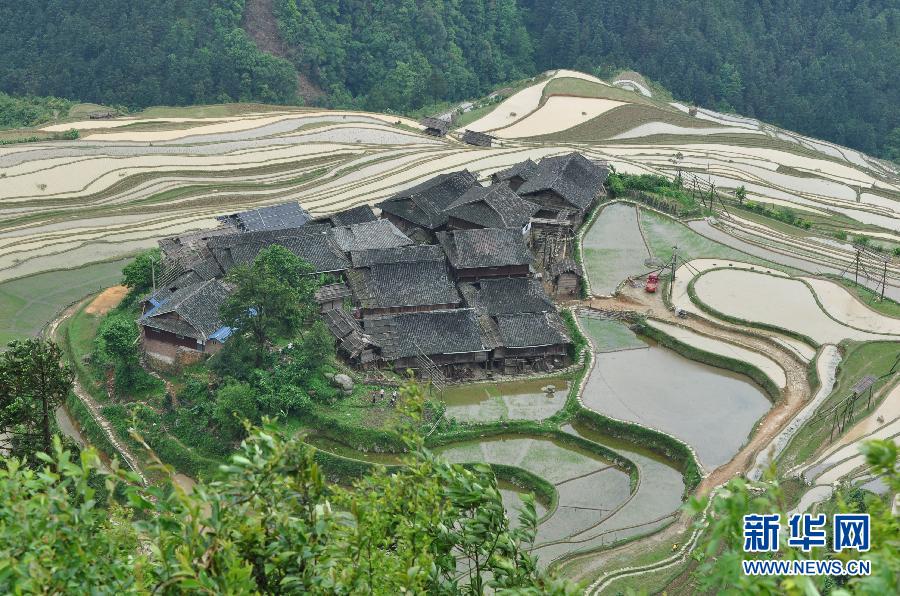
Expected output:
(69, 427)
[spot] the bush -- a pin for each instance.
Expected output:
(235, 402)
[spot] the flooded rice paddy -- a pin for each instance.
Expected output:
(656, 501)
(708, 408)
(514, 400)
(588, 486)
(613, 248)
(608, 335)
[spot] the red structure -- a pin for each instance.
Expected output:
(652, 283)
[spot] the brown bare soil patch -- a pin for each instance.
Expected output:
(107, 300)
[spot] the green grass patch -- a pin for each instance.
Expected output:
(585, 88)
(212, 111)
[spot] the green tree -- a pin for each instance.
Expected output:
(740, 194)
(721, 548)
(235, 402)
(33, 383)
(117, 342)
(272, 299)
(730, 84)
(139, 274)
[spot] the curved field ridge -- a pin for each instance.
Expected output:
(688, 271)
(775, 301)
(656, 500)
(709, 344)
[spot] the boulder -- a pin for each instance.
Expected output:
(343, 382)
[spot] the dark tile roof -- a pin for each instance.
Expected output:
(311, 243)
(387, 285)
(274, 217)
(198, 307)
(436, 332)
(528, 330)
(488, 247)
(494, 206)
(190, 246)
(266, 236)
(373, 234)
(573, 177)
(424, 204)
(523, 169)
(439, 124)
(565, 266)
(473, 137)
(332, 292)
(347, 331)
(401, 254)
(507, 295)
(354, 215)
(340, 323)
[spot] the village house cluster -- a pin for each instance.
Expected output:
(450, 274)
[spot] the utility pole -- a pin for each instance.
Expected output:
(672, 281)
(856, 277)
(153, 273)
(883, 279)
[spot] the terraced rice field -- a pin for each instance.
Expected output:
(708, 408)
(613, 248)
(510, 400)
(654, 503)
(777, 301)
(588, 487)
(127, 182)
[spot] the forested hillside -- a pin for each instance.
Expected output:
(137, 53)
(823, 67)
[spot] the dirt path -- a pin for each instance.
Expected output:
(91, 404)
(795, 395)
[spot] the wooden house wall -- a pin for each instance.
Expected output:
(485, 272)
(567, 284)
(335, 304)
(393, 310)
